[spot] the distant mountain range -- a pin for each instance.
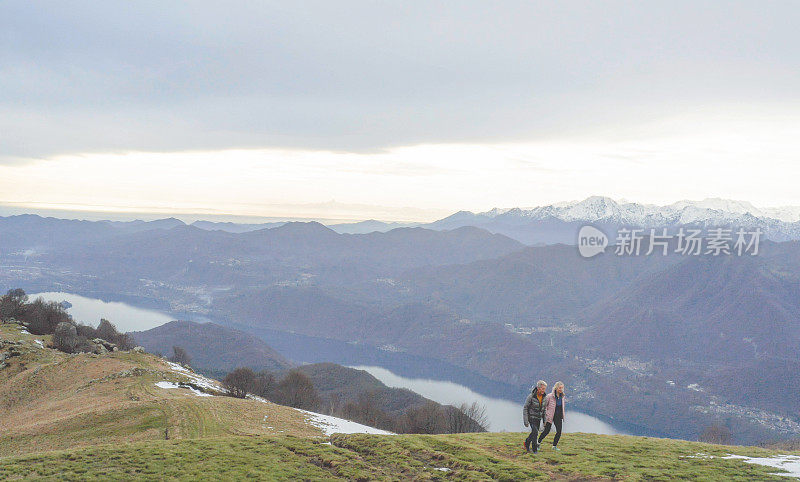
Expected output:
(599, 208)
(550, 224)
(472, 297)
(559, 223)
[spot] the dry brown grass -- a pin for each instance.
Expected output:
(51, 400)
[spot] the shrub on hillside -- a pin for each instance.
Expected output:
(180, 356)
(42, 317)
(239, 382)
(12, 303)
(428, 418)
(296, 390)
(264, 385)
(107, 331)
(466, 418)
(367, 410)
(48, 317)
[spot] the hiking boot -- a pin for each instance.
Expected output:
(556, 448)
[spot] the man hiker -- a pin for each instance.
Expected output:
(532, 413)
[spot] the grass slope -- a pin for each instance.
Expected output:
(83, 417)
(51, 400)
(403, 457)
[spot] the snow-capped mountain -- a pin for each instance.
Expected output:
(557, 222)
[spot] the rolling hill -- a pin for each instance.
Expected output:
(51, 400)
(133, 416)
(212, 347)
(702, 309)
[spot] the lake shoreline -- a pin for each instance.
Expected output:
(306, 349)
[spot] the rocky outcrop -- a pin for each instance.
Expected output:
(102, 346)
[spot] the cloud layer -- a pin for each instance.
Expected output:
(118, 76)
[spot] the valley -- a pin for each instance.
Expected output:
(465, 305)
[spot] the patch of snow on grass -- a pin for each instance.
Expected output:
(331, 425)
(698, 456)
(175, 385)
(442, 469)
(39, 342)
(789, 463)
(198, 380)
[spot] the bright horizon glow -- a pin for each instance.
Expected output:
(755, 160)
(394, 111)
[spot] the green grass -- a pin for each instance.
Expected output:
(402, 457)
(91, 417)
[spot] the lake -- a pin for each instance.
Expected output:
(503, 415)
(124, 316)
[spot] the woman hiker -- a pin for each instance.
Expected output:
(553, 413)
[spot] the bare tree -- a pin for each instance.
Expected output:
(335, 404)
(239, 382)
(180, 356)
(264, 385)
(476, 414)
(297, 390)
(107, 331)
(425, 419)
(42, 317)
(11, 304)
(367, 410)
(465, 418)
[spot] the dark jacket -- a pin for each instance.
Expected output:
(533, 408)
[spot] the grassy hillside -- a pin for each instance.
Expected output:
(400, 457)
(212, 347)
(51, 400)
(103, 417)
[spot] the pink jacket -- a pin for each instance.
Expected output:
(550, 407)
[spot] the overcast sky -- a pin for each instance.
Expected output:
(417, 108)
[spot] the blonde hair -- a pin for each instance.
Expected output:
(555, 387)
